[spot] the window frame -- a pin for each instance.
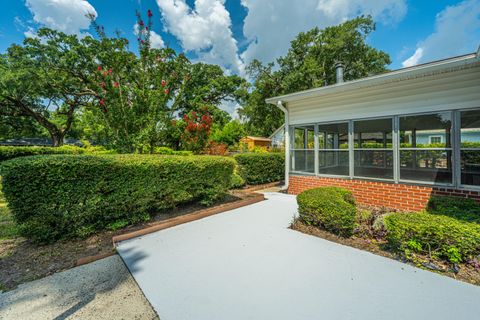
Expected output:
(455, 149)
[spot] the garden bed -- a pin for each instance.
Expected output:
(364, 238)
(21, 260)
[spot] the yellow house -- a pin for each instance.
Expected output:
(256, 142)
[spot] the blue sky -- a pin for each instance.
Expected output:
(233, 32)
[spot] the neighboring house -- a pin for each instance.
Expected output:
(278, 138)
(256, 142)
(393, 139)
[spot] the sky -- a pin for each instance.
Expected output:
(231, 33)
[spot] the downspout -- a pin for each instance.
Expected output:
(287, 144)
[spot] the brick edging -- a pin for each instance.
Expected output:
(89, 259)
(188, 218)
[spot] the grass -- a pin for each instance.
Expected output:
(8, 228)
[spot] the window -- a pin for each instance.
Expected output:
(470, 147)
(425, 147)
(333, 149)
(373, 149)
(302, 153)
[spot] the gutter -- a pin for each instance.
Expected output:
(287, 144)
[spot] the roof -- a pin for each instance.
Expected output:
(277, 131)
(257, 138)
(429, 68)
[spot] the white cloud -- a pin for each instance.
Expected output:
(68, 16)
(156, 40)
(457, 31)
(414, 59)
(204, 30)
(270, 25)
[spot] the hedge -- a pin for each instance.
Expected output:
(61, 196)
(437, 235)
(11, 152)
(257, 168)
(331, 208)
(460, 208)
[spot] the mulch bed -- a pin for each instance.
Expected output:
(22, 260)
(379, 247)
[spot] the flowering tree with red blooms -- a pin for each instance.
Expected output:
(137, 96)
(194, 130)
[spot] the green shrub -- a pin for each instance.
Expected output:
(438, 235)
(169, 151)
(460, 208)
(257, 168)
(236, 181)
(331, 208)
(59, 196)
(11, 152)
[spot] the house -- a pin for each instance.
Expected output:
(278, 138)
(255, 142)
(394, 139)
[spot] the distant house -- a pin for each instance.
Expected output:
(394, 139)
(256, 142)
(278, 138)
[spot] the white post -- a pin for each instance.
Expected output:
(287, 144)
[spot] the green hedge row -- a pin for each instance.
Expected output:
(257, 168)
(331, 208)
(437, 235)
(11, 152)
(465, 209)
(61, 196)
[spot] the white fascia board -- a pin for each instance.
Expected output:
(401, 74)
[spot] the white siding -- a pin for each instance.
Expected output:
(446, 91)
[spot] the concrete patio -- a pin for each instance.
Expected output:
(247, 264)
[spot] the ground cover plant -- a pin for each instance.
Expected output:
(61, 196)
(444, 238)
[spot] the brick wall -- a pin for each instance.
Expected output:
(380, 194)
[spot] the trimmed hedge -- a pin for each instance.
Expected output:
(331, 208)
(61, 196)
(258, 168)
(438, 235)
(170, 151)
(460, 208)
(11, 152)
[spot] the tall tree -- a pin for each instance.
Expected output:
(310, 63)
(44, 75)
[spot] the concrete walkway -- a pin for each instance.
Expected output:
(246, 264)
(103, 289)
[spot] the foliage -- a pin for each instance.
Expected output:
(236, 181)
(10, 152)
(44, 76)
(169, 151)
(331, 208)
(14, 127)
(194, 131)
(257, 168)
(230, 134)
(436, 235)
(460, 208)
(61, 196)
(310, 63)
(216, 149)
(8, 228)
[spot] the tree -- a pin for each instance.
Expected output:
(230, 134)
(45, 75)
(19, 127)
(310, 63)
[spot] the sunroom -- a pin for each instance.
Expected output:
(417, 126)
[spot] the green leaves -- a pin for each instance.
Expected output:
(257, 168)
(62, 196)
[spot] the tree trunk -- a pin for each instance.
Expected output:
(57, 138)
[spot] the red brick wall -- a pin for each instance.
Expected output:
(380, 194)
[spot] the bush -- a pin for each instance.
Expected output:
(11, 152)
(460, 208)
(60, 196)
(437, 235)
(331, 208)
(237, 181)
(169, 151)
(257, 168)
